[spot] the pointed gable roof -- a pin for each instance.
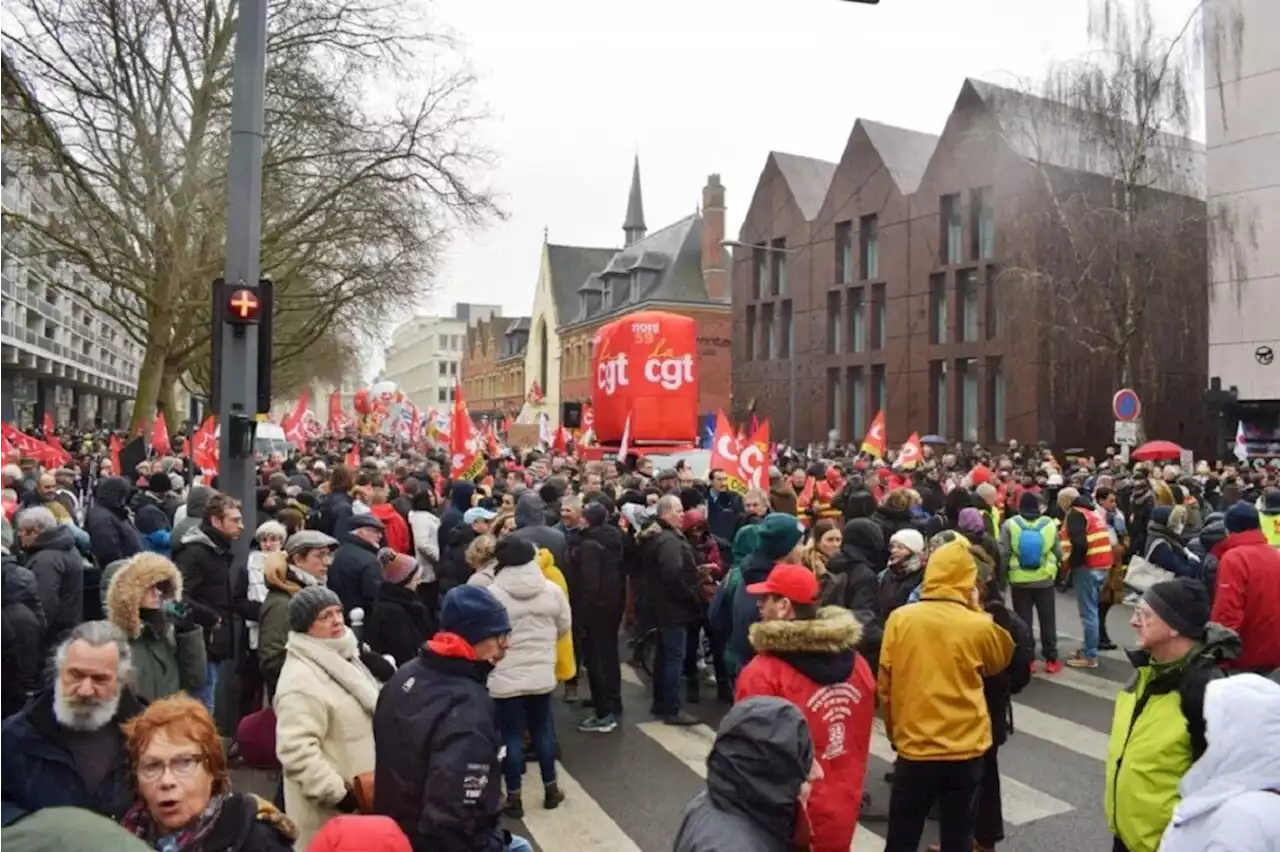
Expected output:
(905, 153)
(635, 203)
(808, 178)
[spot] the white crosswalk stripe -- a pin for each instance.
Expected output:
(578, 823)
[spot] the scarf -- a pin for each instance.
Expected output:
(340, 660)
(138, 822)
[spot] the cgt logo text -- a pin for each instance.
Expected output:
(669, 373)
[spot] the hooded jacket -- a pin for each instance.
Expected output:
(204, 558)
(460, 494)
(855, 568)
(1157, 730)
(360, 833)
(400, 623)
(531, 526)
(1228, 796)
(761, 757)
(167, 657)
(59, 572)
(395, 528)
(539, 614)
(933, 659)
(111, 536)
(355, 574)
(602, 571)
(1248, 598)
(812, 664)
(24, 636)
(189, 516)
(1204, 546)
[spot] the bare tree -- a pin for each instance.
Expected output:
(128, 106)
(1114, 217)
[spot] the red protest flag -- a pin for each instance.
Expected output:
(49, 426)
(294, 423)
(463, 446)
(160, 435)
(205, 452)
(337, 419)
(116, 447)
(874, 442)
(911, 453)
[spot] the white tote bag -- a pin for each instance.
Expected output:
(1141, 575)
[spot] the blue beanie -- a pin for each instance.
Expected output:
(779, 534)
(473, 613)
(1241, 517)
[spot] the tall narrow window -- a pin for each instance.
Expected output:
(880, 386)
(952, 237)
(844, 252)
(868, 256)
(778, 265)
(967, 427)
(879, 317)
(995, 399)
(768, 333)
(938, 308)
(788, 330)
(982, 224)
(750, 354)
(834, 324)
(760, 273)
(967, 297)
(857, 403)
(994, 310)
(857, 320)
(938, 396)
(835, 399)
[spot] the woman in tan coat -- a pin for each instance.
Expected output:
(324, 706)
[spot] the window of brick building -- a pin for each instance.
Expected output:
(994, 310)
(857, 321)
(982, 224)
(968, 300)
(834, 324)
(768, 333)
(750, 354)
(880, 387)
(967, 424)
(760, 273)
(995, 399)
(938, 308)
(788, 330)
(778, 266)
(444, 368)
(938, 396)
(857, 403)
(951, 239)
(835, 399)
(868, 253)
(844, 252)
(879, 316)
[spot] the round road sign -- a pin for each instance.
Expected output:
(1126, 405)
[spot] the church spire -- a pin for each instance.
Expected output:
(633, 227)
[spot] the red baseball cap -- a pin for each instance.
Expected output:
(787, 580)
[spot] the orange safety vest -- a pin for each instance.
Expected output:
(823, 502)
(1099, 554)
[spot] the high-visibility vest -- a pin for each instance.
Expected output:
(1270, 527)
(1048, 567)
(1098, 537)
(824, 502)
(993, 521)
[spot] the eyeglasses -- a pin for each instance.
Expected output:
(1144, 613)
(182, 766)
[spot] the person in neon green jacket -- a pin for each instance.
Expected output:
(1158, 728)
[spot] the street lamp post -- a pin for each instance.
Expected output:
(791, 356)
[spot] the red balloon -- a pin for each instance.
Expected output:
(361, 401)
(646, 368)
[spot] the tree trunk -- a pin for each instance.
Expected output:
(150, 379)
(166, 398)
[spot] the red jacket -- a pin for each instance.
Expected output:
(350, 833)
(813, 665)
(395, 533)
(1248, 598)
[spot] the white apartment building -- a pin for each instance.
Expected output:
(60, 354)
(425, 355)
(1242, 111)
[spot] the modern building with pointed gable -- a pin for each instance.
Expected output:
(888, 293)
(681, 268)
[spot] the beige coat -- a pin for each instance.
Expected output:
(324, 726)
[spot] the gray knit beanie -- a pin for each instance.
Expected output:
(307, 604)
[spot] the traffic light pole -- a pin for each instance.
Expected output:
(239, 364)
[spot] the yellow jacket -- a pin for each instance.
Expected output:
(566, 664)
(933, 659)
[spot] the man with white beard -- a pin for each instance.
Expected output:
(65, 747)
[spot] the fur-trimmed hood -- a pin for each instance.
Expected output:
(832, 631)
(131, 582)
(276, 574)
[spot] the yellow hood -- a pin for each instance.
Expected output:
(950, 574)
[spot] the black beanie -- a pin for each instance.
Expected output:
(159, 483)
(595, 514)
(514, 551)
(1029, 504)
(1182, 603)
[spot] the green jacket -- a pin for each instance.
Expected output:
(168, 664)
(273, 633)
(1157, 732)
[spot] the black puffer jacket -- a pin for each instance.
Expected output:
(356, 574)
(454, 570)
(399, 624)
(204, 558)
(111, 535)
(670, 571)
(601, 570)
(855, 588)
(59, 572)
(761, 757)
(24, 636)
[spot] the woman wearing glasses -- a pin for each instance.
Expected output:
(185, 802)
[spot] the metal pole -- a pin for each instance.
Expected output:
(244, 236)
(791, 366)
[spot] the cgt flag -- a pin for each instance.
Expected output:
(466, 459)
(911, 453)
(874, 443)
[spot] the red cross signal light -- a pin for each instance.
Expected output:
(243, 307)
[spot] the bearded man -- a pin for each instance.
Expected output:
(65, 747)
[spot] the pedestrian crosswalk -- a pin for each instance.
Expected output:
(626, 791)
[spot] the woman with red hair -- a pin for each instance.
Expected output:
(185, 802)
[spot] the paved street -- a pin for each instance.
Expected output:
(626, 791)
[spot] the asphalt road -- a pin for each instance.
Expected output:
(626, 791)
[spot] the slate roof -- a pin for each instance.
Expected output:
(1066, 137)
(808, 179)
(635, 204)
(570, 266)
(666, 266)
(905, 153)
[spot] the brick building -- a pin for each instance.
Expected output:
(681, 269)
(876, 283)
(493, 366)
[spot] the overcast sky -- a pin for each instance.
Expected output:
(577, 87)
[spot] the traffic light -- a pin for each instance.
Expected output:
(241, 307)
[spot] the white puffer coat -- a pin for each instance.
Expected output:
(539, 614)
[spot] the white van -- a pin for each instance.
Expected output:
(268, 438)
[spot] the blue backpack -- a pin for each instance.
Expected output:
(1030, 542)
